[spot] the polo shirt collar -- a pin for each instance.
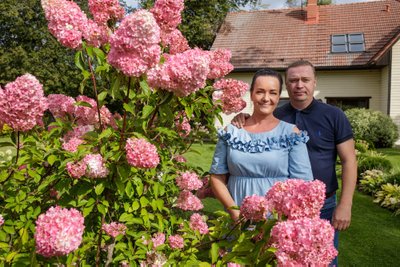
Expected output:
(308, 109)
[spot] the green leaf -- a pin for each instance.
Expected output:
(99, 189)
(83, 104)
(102, 209)
(145, 87)
(144, 202)
(102, 96)
(126, 217)
(135, 205)
(115, 88)
(214, 252)
(78, 60)
(129, 108)
(10, 256)
(23, 233)
(147, 110)
(51, 159)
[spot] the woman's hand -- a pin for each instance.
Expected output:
(240, 120)
(235, 214)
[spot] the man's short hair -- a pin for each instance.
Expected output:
(299, 63)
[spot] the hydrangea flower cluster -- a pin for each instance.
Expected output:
(61, 105)
(303, 242)
(135, 44)
(219, 64)
(105, 10)
(1, 220)
(114, 229)
(58, 231)
(188, 201)
(168, 13)
(254, 208)
(72, 144)
(154, 259)
(197, 223)
(22, 103)
(158, 239)
(92, 166)
(89, 115)
(231, 97)
(176, 241)
(182, 124)
(182, 73)
(189, 181)
(72, 139)
(141, 154)
(296, 198)
(179, 158)
(176, 42)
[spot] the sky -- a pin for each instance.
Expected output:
(274, 4)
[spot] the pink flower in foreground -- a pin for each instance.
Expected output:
(254, 208)
(58, 231)
(296, 198)
(182, 73)
(66, 21)
(219, 63)
(158, 239)
(303, 242)
(89, 115)
(168, 13)
(176, 241)
(135, 44)
(22, 103)
(141, 154)
(1, 220)
(61, 105)
(232, 93)
(76, 170)
(197, 223)
(96, 35)
(114, 229)
(188, 201)
(95, 166)
(72, 144)
(175, 41)
(105, 10)
(188, 181)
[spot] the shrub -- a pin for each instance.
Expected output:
(389, 197)
(371, 181)
(373, 126)
(373, 161)
(393, 178)
(361, 146)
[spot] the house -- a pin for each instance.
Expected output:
(354, 47)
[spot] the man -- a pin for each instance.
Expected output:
(330, 135)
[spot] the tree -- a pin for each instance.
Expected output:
(296, 3)
(202, 19)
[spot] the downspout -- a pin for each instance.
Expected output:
(389, 82)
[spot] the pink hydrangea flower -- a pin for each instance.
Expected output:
(219, 64)
(58, 231)
(175, 41)
(89, 115)
(296, 198)
(22, 103)
(182, 124)
(95, 166)
(72, 144)
(66, 20)
(197, 223)
(182, 73)
(232, 93)
(141, 154)
(176, 241)
(76, 170)
(154, 259)
(158, 239)
(1, 220)
(188, 201)
(188, 181)
(254, 208)
(303, 242)
(96, 35)
(179, 158)
(72, 139)
(61, 105)
(105, 10)
(231, 264)
(205, 190)
(114, 229)
(168, 13)
(135, 44)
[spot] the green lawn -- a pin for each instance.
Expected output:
(373, 238)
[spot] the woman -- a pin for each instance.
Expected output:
(266, 150)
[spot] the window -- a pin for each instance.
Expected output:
(349, 102)
(347, 43)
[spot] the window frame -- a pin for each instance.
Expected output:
(347, 45)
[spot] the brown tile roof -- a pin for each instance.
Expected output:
(275, 38)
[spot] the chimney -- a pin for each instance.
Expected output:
(312, 12)
(387, 9)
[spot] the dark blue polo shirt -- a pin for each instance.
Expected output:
(327, 127)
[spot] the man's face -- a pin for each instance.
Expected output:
(300, 84)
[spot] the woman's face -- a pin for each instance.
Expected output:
(265, 94)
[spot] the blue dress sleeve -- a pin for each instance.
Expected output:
(219, 163)
(299, 162)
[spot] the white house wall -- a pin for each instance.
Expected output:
(395, 85)
(343, 83)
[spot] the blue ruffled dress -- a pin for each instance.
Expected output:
(256, 161)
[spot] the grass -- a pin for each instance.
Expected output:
(373, 238)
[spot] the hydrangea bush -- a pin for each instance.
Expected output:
(89, 187)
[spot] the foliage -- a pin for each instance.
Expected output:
(373, 161)
(373, 127)
(295, 3)
(371, 181)
(389, 197)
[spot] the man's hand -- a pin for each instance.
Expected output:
(341, 217)
(240, 120)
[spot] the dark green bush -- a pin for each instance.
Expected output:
(393, 178)
(373, 126)
(373, 162)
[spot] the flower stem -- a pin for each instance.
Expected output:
(126, 100)
(95, 91)
(18, 147)
(99, 243)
